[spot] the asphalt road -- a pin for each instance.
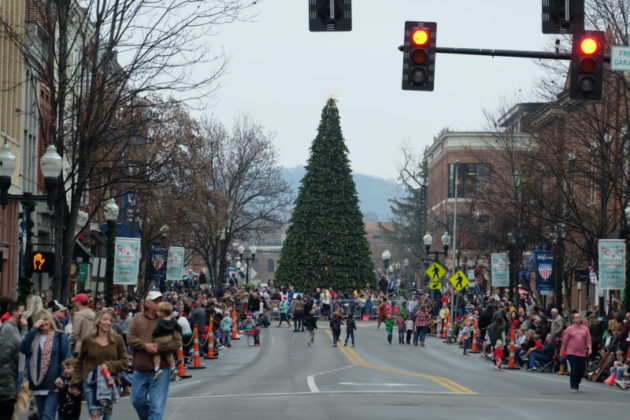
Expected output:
(286, 379)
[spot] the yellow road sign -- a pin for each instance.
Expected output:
(435, 272)
(459, 280)
(435, 285)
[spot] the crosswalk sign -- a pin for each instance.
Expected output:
(435, 285)
(459, 281)
(435, 272)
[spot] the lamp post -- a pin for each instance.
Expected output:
(428, 240)
(626, 296)
(252, 258)
(111, 214)
(50, 164)
(406, 265)
(512, 245)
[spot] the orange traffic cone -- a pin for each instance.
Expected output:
(445, 328)
(181, 365)
(475, 337)
(210, 353)
(235, 335)
(196, 360)
(512, 357)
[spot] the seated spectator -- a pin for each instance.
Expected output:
(543, 354)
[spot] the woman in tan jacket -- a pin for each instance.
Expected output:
(103, 352)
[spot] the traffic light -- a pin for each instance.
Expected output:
(554, 16)
(42, 262)
(330, 15)
(419, 56)
(587, 65)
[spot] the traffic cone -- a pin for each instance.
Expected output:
(445, 328)
(235, 335)
(181, 365)
(512, 357)
(475, 348)
(196, 360)
(210, 353)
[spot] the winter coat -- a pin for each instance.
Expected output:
(10, 338)
(82, 326)
(60, 352)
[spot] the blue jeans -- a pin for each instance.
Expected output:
(225, 338)
(349, 334)
(93, 406)
(419, 335)
(148, 396)
(47, 405)
(535, 356)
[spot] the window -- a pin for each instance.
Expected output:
(271, 265)
(471, 178)
(376, 236)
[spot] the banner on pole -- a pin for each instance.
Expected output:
(175, 263)
(500, 266)
(156, 264)
(545, 275)
(126, 261)
(612, 263)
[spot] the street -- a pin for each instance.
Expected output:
(286, 379)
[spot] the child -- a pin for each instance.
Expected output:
(350, 327)
(163, 334)
(400, 323)
(409, 328)
(465, 336)
(69, 404)
(389, 327)
(284, 312)
(226, 329)
(335, 326)
(538, 344)
(248, 327)
(498, 354)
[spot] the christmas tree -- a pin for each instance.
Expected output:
(325, 244)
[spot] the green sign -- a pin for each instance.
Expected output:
(82, 273)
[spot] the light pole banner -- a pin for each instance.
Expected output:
(612, 263)
(500, 266)
(175, 263)
(545, 275)
(126, 261)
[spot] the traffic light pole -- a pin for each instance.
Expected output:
(543, 55)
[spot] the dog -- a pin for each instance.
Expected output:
(25, 403)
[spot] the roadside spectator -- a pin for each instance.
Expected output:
(82, 321)
(34, 304)
(45, 348)
(149, 396)
(11, 333)
(544, 354)
(557, 323)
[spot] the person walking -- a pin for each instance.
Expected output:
(382, 313)
(149, 395)
(351, 326)
(284, 312)
(389, 327)
(11, 332)
(310, 321)
(421, 322)
(45, 348)
(298, 314)
(335, 326)
(102, 353)
(82, 321)
(576, 341)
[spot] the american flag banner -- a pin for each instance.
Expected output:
(545, 279)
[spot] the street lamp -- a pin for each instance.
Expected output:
(50, 164)
(111, 214)
(252, 258)
(385, 256)
(428, 240)
(512, 245)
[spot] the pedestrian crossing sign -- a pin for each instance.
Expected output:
(435, 285)
(459, 281)
(435, 272)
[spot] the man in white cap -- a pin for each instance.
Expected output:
(148, 395)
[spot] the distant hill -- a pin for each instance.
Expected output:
(373, 192)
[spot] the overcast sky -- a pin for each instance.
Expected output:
(282, 74)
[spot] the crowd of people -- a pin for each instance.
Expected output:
(58, 357)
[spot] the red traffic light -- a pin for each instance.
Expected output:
(420, 37)
(589, 46)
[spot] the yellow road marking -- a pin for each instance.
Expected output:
(354, 358)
